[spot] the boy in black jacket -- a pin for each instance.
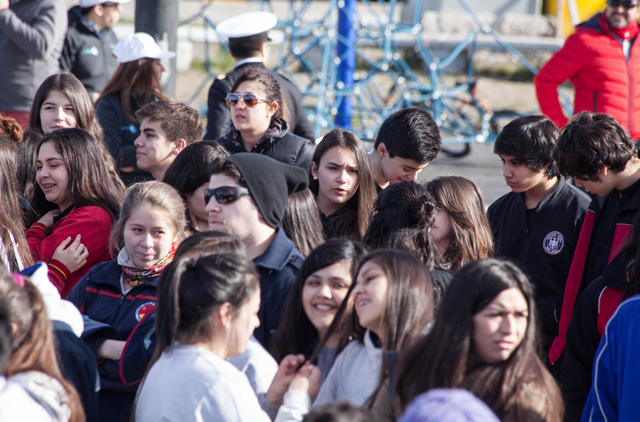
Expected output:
(538, 223)
(601, 156)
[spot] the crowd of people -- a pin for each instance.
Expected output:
(151, 272)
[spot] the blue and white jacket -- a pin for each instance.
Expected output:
(616, 369)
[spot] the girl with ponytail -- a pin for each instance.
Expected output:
(404, 214)
(207, 310)
(119, 293)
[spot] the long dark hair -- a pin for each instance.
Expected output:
(10, 214)
(471, 237)
(136, 78)
(302, 223)
(189, 170)
(296, 333)
(26, 158)
(33, 340)
(354, 222)
(403, 214)
(445, 359)
(91, 183)
(410, 303)
(73, 89)
(269, 85)
(189, 290)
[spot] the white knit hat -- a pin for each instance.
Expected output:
(139, 46)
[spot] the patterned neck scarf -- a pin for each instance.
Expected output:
(136, 276)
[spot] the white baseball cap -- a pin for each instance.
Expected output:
(247, 24)
(139, 46)
(90, 3)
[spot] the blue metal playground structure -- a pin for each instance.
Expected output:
(320, 56)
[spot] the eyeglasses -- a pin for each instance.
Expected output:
(224, 194)
(111, 4)
(249, 100)
(625, 4)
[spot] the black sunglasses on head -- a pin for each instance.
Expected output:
(625, 4)
(249, 100)
(224, 194)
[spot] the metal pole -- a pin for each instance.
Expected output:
(159, 18)
(347, 55)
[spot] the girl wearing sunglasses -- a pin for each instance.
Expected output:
(258, 113)
(119, 293)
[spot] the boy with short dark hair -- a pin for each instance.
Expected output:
(538, 223)
(407, 141)
(166, 127)
(602, 157)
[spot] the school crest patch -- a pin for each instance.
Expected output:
(143, 310)
(553, 243)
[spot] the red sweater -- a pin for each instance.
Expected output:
(94, 226)
(603, 79)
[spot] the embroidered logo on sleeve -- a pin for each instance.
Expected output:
(553, 243)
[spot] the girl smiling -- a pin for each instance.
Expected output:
(73, 202)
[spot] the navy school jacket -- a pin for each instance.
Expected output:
(98, 295)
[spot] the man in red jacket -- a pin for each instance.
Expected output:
(602, 60)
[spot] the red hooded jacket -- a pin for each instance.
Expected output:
(593, 59)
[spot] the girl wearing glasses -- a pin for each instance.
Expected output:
(121, 292)
(258, 113)
(342, 181)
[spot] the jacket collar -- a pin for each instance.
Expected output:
(279, 253)
(592, 24)
(551, 196)
(109, 275)
(252, 60)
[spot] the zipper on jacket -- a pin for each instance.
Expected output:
(595, 102)
(115, 314)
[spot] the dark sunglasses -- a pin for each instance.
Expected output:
(249, 100)
(110, 4)
(625, 4)
(224, 194)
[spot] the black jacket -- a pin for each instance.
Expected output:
(278, 144)
(583, 339)
(544, 248)
(219, 116)
(87, 54)
(119, 135)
